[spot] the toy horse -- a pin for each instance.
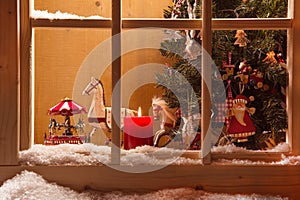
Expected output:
(99, 116)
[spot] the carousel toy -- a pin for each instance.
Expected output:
(67, 108)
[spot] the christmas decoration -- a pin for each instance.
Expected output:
(241, 38)
(66, 107)
(240, 125)
(100, 116)
(251, 63)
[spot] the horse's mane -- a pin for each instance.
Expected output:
(170, 112)
(159, 101)
(101, 85)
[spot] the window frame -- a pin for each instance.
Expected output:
(15, 81)
(117, 23)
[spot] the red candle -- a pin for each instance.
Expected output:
(138, 131)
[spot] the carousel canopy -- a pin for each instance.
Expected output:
(67, 107)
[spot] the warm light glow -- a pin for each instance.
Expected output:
(139, 111)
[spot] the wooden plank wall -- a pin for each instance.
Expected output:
(9, 61)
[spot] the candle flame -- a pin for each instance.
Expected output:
(139, 111)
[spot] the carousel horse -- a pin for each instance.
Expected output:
(99, 116)
(79, 127)
(168, 119)
(52, 127)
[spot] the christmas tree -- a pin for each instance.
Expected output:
(251, 64)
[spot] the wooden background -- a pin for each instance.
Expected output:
(60, 52)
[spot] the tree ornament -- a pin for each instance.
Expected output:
(241, 125)
(257, 79)
(229, 68)
(241, 38)
(280, 58)
(270, 58)
(192, 48)
(229, 102)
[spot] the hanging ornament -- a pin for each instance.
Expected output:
(229, 102)
(270, 58)
(228, 67)
(257, 79)
(192, 49)
(241, 38)
(192, 34)
(195, 8)
(280, 58)
(241, 125)
(176, 9)
(190, 9)
(242, 76)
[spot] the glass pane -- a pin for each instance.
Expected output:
(58, 56)
(160, 9)
(180, 80)
(65, 8)
(75, 63)
(252, 65)
(250, 9)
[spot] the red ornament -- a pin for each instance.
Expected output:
(241, 125)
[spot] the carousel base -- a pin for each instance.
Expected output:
(55, 140)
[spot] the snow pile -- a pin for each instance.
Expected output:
(90, 154)
(29, 185)
(231, 148)
(286, 160)
(65, 154)
(44, 14)
(282, 147)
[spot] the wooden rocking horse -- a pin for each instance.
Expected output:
(99, 116)
(173, 128)
(168, 119)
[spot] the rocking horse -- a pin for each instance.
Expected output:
(99, 116)
(173, 128)
(168, 119)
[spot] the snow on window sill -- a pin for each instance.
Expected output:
(89, 154)
(44, 14)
